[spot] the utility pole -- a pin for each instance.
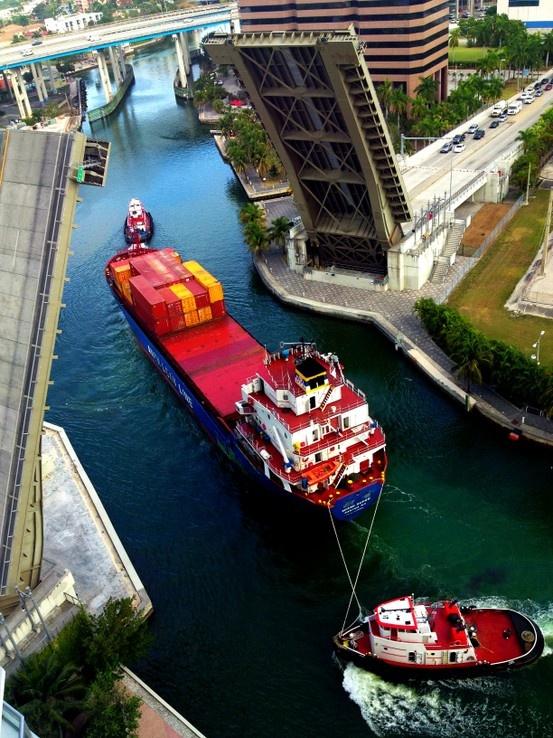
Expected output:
(547, 234)
(527, 199)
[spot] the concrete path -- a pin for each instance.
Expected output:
(392, 313)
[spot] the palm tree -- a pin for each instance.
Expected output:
(256, 236)
(454, 38)
(427, 89)
(399, 102)
(279, 230)
(547, 45)
(472, 354)
(47, 692)
(251, 213)
(385, 92)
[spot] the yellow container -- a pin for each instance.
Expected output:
(122, 273)
(191, 318)
(126, 290)
(204, 314)
(216, 292)
(185, 296)
(202, 275)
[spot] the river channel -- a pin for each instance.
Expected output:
(247, 590)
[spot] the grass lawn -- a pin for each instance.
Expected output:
(482, 294)
(467, 54)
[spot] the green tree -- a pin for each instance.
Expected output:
(113, 712)
(279, 230)
(399, 103)
(385, 91)
(256, 237)
(251, 213)
(49, 693)
(471, 354)
(427, 89)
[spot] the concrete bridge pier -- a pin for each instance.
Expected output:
(104, 75)
(122, 63)
(114, 61)
(52, 78)
(20, 94)
(183, 58)
(38, 77)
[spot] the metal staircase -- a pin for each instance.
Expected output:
(326, 398)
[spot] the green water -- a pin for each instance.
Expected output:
(247, 590)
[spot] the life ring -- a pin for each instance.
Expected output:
(527, 636)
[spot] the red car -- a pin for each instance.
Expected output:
(549, 87)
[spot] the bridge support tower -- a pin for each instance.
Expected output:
(104, 75)
(183, 58)
(20, 93)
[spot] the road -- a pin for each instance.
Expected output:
(113, 34)
(429, 173)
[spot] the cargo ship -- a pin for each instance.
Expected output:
(288, 418)
(405, 637)
(139, 224)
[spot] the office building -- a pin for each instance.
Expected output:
(403, 40)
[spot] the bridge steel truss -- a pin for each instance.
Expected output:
(316, 101)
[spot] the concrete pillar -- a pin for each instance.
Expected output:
(196, 39)
(38, 79)
(181, 59)
(115, 66)
(104, 75)
(52, 78)
(185, 51)
(234, 21)
(20, 92)
(122, 63)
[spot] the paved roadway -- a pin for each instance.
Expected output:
(114, 34)
(428, 173)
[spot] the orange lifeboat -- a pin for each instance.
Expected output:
(321, 472)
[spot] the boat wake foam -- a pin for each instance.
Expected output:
(468, 707)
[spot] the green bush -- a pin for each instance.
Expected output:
(480, 359)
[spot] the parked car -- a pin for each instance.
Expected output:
(480, 133)
(545, 81)
(539, 92)
(495, 123)
(446, 148)
(549, 86)
(528, 99)
(472, 128)
(458, 148)
(459, 138)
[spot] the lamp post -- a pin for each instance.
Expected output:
(536, 345)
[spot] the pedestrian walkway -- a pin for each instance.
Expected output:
(392, 313)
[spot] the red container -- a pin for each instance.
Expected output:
(177, 323)
(201, 295)
(174, 305)
(218, 309)
(162, 327)
(146, 297)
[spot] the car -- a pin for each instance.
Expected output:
(93, 37)
(27, 52)
(458, 148)
(539, 93)
(494, 123)
(36, 42)
(472, 128)
(502, 118)
(528, 99)
(480, 133)
(549, 86)
(545, 81)
(459, 138)
(446, 148)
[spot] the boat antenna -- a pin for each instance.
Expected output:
(353, 583)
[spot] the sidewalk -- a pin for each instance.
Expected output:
(392, 313)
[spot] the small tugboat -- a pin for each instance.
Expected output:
(403, 637)
(139, 224)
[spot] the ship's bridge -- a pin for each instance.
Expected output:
(311, 375)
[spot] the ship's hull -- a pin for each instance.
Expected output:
(143, 235)
(346, 508)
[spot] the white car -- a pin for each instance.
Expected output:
(27, 52)
(93, 37)
(473, 128)
(458, 148)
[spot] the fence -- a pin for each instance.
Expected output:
(492, 235)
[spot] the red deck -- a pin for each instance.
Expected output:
(219, 357)
(491, 628)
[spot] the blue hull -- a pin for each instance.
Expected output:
(347, 508)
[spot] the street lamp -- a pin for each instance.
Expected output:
(536, 345)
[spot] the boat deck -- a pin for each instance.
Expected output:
(496, 635)
(219, 357)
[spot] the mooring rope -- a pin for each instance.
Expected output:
(353, 584)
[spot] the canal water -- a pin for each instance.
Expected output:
(248, 590)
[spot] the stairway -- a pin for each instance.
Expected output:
(326, 398)
(451, 246)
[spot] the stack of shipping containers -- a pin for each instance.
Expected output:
(167, 295)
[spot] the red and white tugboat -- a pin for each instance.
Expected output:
(405, 637)
(139, 224)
